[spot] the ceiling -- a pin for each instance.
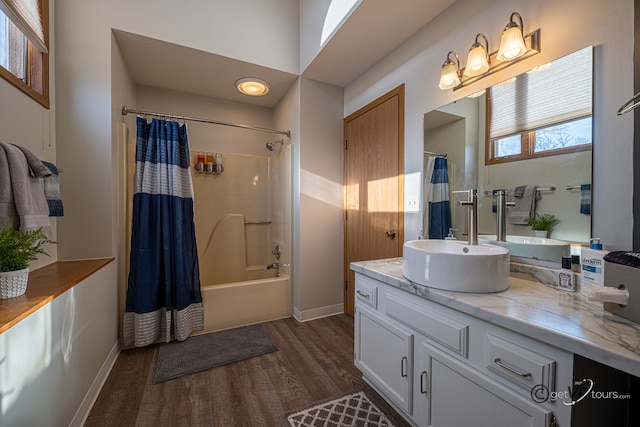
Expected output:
(374, 29)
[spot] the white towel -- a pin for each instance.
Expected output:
(525, 206)
(25, 194)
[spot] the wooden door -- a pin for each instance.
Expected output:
(374, 167)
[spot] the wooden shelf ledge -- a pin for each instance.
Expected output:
(45, 284)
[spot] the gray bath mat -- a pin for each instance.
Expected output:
(208, 351)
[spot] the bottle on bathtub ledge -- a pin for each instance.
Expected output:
(451, 236)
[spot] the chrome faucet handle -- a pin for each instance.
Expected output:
(276, 252)
(501, 215)
(468, 192)
(472, 215)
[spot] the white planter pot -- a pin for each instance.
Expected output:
(13, 283)
(541, 233)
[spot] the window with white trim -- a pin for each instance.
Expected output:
(542, 112)
(24, 50)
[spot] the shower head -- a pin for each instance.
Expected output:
(270, 145)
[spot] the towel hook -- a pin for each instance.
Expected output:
(629, 105)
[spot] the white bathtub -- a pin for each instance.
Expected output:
(230, 305)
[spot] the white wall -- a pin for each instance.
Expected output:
(320, 281)
(312, 13)
(49, 361)
(608, 26)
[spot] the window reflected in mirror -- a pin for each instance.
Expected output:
(535, 129)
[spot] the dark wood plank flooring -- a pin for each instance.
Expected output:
(314, 361)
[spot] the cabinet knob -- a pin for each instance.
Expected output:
(390, 234)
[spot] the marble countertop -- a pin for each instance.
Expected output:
(562, 319)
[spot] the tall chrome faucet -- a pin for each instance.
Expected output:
(472, 215)
(501, 215)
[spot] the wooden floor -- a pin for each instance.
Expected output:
(314, 361)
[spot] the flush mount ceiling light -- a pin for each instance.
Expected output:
(513, 48)
(252, 86)
(512, 42)
(450, 74)
(478, 58)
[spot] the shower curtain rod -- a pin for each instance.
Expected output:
(435, 154)
(126, 111)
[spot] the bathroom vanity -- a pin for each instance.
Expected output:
(445, 358)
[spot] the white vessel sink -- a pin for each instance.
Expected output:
(454, 265)
(531, 247)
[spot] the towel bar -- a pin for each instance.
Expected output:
(550, 188)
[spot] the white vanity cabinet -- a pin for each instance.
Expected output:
(384, 354)
(443, 368)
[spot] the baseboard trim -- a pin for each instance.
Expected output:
(92, 394)
(317, 313)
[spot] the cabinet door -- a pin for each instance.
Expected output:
(458, 395)
(384, 354)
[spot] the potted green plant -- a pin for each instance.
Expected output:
(542, 224)
(17, 249)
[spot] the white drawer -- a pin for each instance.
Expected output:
(519, 365)
(444, 330)
(367, 291)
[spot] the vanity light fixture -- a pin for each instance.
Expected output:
(252, 86)
(478, 58)
(513, 48)
(450, 74)
(512, 42)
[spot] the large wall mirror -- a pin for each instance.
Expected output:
(533, 130)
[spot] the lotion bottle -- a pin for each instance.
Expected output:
(592, 265)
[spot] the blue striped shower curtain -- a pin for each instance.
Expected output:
(163, 294)
(439, 207)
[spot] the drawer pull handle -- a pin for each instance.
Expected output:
(510, 369)
(423, 388)
(363, 295)
(403, 364)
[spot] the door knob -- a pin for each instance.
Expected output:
(390, 234)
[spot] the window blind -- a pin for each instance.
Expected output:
(541, 98)
(26, 15)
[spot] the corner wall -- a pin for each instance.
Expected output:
(320, 281)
